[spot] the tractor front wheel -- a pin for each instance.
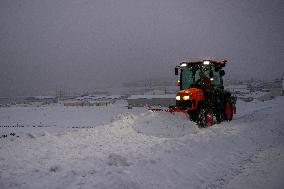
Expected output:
(205, 118)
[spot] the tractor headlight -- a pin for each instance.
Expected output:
(177, 97)
(186, 97)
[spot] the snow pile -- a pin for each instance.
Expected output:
(164, 124)
(62, 160)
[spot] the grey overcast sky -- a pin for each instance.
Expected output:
(80, 44)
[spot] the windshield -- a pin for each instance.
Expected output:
(189, 77)
(186, 78)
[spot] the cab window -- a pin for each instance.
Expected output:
(186, 78)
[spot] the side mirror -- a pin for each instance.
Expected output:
(211, 74)
(222, 73)
(176, 70)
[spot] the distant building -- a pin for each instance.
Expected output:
(42, 99)
(151, 100)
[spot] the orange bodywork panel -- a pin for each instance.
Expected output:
(196, 95)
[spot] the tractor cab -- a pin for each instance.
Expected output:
(192, 73)
(202, 93)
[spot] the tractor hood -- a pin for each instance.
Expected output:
(193, 93)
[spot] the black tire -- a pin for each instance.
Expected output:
(219, 117)
(193, 115)
(204, 118)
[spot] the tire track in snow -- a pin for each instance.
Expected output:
(267, 164)
(253, 163)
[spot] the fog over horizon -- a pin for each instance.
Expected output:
(88, 44)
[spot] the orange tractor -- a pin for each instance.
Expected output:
(202, 96)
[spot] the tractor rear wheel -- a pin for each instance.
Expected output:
(229, 111)
(205, 118)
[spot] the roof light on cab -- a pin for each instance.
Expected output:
(206, 62)
(183, 65)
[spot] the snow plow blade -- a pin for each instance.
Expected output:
(170, 109)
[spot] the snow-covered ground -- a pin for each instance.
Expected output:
(116, 147)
